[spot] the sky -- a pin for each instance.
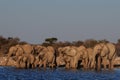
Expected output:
(68, 20)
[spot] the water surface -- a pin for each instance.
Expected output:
(11, 73)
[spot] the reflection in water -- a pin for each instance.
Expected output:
(9, 73)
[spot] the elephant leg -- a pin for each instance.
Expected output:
(111, 64)
(104, 61)
(35, 64)
(53, 64)
(83, 61)
(99, 63)
(32, 64)
(67, 66)
(92, 64)
(85, 64)
(22, 65)
(89, 64)
(19, 61)
(45, 64)
(40, 63)
(28, 64)
(73, 63)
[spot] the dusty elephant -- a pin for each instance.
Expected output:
(27, 58)
(63, 57)
(82, 54)
(27, 61)
(91, 60)
(104, 52)
(59, 58)
(38, 61)
(73, 54)
(47, 56)
(18, 52)
(14, 52)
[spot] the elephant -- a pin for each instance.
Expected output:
(18, 53)
(38, 61)
(15, 52)
(72, 55)
(59, 58)
(27, 60)
(91, 60)
(104, 52)
(47, 56)
(27, 56)
(82, 54)
(64, 57)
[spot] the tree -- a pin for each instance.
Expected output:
(51, 40)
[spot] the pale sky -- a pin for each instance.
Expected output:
(68, 20)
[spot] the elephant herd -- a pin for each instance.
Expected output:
(70, 57)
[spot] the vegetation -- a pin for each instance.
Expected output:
(6, 43)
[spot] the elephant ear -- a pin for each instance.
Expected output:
(105, 51)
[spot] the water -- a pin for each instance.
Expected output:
(10, 73)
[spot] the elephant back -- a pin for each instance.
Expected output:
(28, 49)
(81, 48)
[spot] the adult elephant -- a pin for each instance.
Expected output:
(105, 51)
(60, 58)
(47, 56)
(38, 61)
(27, 61)
(91, 58)
(65, 56)
(23, 54)
(15, 52)
(82, 54)
(28, 57)
(72, 56)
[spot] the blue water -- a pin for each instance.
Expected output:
(10, 73)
